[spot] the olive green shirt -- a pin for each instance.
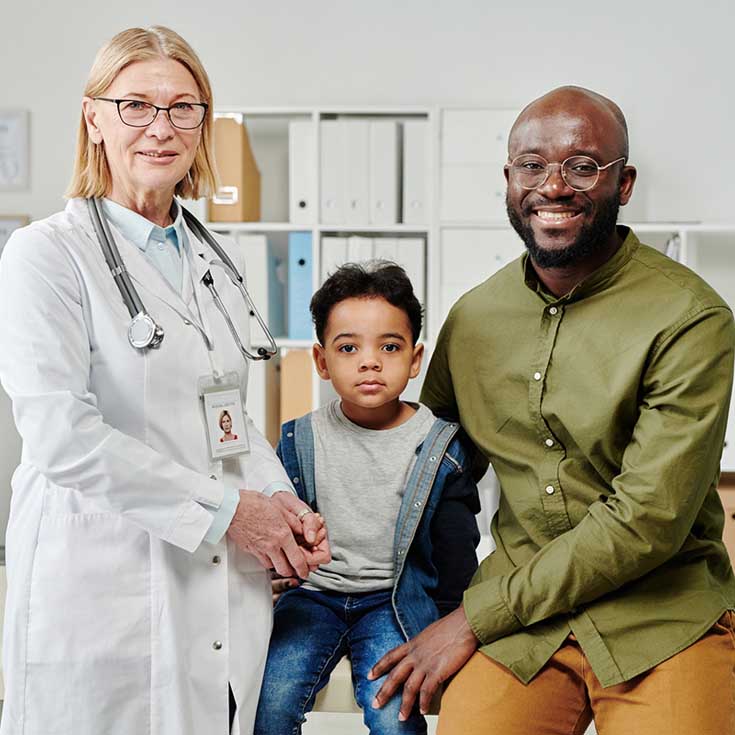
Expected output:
(603, 414)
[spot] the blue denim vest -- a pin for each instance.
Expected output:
(442, 461)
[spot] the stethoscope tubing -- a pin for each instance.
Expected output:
(134, 303)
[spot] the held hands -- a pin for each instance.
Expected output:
(308, 528)
(425, 662)
(270, 529)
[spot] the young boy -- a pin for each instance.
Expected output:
(392, 483)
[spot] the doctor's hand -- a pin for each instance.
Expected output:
(426, 661)
(308, 528)
(259, 528)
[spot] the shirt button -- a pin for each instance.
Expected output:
(537, 376)
(549, 489)
(553, 311)
(296, 481)
(217, 645)
(216, 559)
(549, 442)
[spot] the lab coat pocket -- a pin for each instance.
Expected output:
(90, 590)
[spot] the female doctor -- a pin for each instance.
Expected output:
(138, 600)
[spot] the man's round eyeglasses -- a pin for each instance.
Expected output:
(137, 114)
(580, 173)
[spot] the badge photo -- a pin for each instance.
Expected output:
(225, 423)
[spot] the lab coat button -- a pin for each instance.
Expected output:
(216, 559)
(217, 645)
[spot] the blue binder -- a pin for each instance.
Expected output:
(299, 285)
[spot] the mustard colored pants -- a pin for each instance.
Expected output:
(692, 693)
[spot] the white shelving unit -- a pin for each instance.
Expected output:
(466, 230)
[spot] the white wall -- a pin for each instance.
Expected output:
(669, 66)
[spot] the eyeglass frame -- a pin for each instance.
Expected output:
(158, 109)
(561, 169)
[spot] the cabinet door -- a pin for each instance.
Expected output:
(476, 136)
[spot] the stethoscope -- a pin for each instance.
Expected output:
(143, 332)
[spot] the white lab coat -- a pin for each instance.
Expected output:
(116, 607)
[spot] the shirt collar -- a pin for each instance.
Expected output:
(140, 231)
(596, 280)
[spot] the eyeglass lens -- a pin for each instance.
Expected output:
(579, 172)
(182, 115)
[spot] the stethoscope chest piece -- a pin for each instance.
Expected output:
(143, 332)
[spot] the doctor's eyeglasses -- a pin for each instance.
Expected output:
(580, 173)
(138, 114)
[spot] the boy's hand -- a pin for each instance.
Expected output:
(308, 528)
(279, 585)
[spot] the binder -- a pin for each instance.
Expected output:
(411, 255)
(359, 249)
(355, 137)
(334, 254)
(416, 159)
(299, 285)
(237, 198)
(266, 288)
(385, 248)
(330, 164)
(301, 185)
(296, 377)
(384, 172)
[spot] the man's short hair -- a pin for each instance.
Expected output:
(374, 279)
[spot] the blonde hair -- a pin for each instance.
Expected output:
(92, 176)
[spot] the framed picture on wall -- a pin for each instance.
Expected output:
(14, 150)
(8, 223)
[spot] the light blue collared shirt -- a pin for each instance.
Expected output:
(164, 248)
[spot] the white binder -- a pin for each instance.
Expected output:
(385, 248)
(264, 286)
(330, 139)
(411, 254)
(301, 185)
(359, 249)
(355, 170)
(416, 160)
(334, 254)
(384, 172)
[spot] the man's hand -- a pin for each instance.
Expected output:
(308, 528)
(259, 528)
(425, 662)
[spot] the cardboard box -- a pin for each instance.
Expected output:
(238, 179)
(296, 377)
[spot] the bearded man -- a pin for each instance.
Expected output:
(595, 374)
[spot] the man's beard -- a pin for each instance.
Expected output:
(593, 237)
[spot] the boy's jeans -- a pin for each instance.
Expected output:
(311, 632)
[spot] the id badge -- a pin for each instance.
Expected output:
(224, 416)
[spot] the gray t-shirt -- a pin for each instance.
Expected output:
(360, 477)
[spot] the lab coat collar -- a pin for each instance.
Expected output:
(144, 274)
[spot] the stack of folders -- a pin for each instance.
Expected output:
(408, 252)
(373, 172)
